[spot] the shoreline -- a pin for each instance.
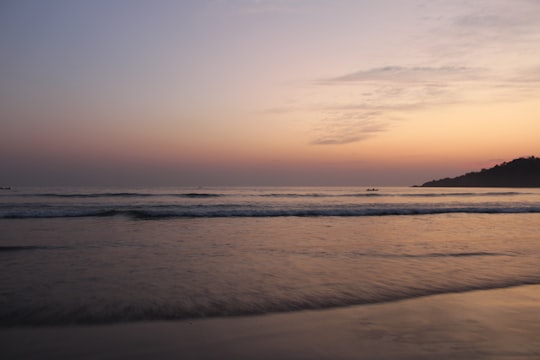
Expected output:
(480, 324)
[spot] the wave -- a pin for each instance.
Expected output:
(465, 194)
(382, 194)
(27, 248)
(121, 195)
(198, 195)
(432, 255)
(108, 311)
(461, 254)
(251, 211)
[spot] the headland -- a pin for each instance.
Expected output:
(521, 172)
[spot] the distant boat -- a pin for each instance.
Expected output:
(372, 189)
(5, 187)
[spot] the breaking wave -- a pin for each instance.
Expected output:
(121, 195)
(253, 211)
(17, 248)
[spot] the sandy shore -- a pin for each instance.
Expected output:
(491, 324)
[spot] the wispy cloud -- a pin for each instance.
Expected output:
(396, 92)
(348, 127)
(504, 17)
(528, 76)
(400, 74)
(483, 28)
(338, 140)
(481, 53)
(384, 95)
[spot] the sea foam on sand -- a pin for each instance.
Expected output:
(489, 324)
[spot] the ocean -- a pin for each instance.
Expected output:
(98, 255)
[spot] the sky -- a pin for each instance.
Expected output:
(265, 92)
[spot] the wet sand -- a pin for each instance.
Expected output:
(488, 324)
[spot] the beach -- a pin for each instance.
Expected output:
(487, 324)
(269, 273)
(270, 179)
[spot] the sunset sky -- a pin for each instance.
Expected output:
(265, 92)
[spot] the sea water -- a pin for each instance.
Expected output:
(97, 255)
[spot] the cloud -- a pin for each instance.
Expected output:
(486, 21)
(512, 20)
(378, 96)
(398, 96)
(396, 92)
(528, 76)
(349, 127)
(410, 74)
(483, 29)
(337, 140)
(481, 53)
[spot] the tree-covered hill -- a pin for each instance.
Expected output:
(522, 172)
